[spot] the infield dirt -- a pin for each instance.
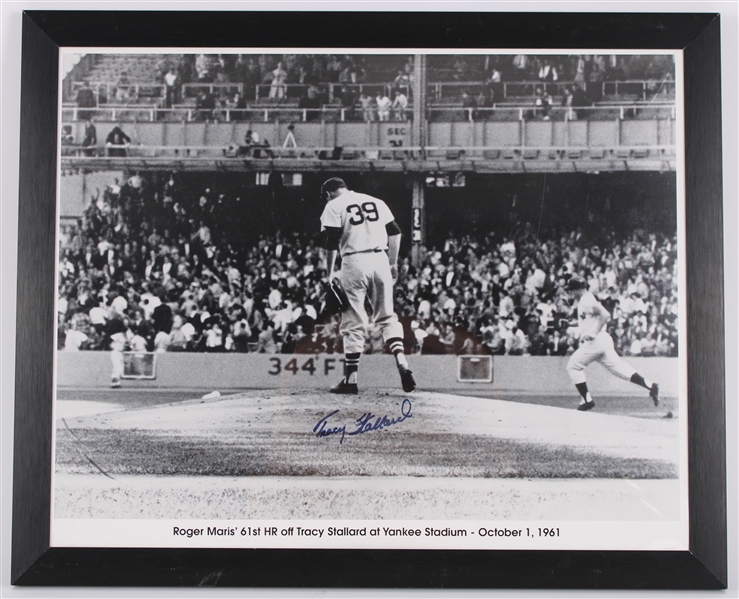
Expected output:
(129, 463)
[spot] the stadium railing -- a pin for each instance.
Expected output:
(622, 111)
(407, 153)
(266, 114)
(156, 90)
(294, 90)
(190, 90)
(637, 89)
(150, 113)
(644, 89)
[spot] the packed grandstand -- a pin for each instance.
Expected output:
(224, 87)
(202, 263)
(209, 260)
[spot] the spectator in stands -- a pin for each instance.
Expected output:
(203, 68)
(460, 70)
(400, 105)
(520, 64)
(494, 84)
(368, 107)
(67, 135)
(359, 73)
(117, 142)
(122, 88)
(240, 71)
(484, 100)
(277, 79)
(383, 106)
(568, 102)
(311, 102)
(172, 89)
(162, 67)
(85, 99)
(255, 146)
(580, 68)
(580, 100)
(556, 346)
(503, 294)
(548, 72)
(205, 104)
(469, 105)
(595, 83)
(238, 107)
(543, 103)
(345, 76)
(90, 139)
(333, 68)
(304, 77)
(401, 82)
(348, 100)
(222, 69)
(408, 67)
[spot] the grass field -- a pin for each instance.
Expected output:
(131, 436)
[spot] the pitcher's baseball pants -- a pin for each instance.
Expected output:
(367, 276)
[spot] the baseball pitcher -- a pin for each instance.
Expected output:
(363, 231)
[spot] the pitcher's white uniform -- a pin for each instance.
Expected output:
(365, 269)
(595, 342)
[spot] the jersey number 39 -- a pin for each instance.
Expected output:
(367, 211)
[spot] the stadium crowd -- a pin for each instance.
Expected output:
(160, 265)
(312, 81)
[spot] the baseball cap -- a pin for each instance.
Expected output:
(332, 184)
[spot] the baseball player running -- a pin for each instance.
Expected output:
(596, 344)
(363, 230)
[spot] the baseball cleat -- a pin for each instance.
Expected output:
(115, 384)
(584, 407)
(654, 393)
(345, 388)
(406, 378)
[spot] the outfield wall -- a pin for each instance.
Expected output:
(532, 374)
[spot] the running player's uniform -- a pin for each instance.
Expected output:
(596, 344)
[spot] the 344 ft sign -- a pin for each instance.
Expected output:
(305, 367)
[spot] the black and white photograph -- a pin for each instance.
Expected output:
(370, 299)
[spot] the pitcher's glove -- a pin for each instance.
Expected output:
(335, 300)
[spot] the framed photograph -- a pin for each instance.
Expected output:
(290, 305)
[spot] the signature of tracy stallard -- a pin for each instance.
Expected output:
(366, 423)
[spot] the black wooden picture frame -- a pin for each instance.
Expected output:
(704, 566)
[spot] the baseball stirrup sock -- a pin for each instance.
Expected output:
(397, 349)
(583, 389)
(638, 379)
(351, 370)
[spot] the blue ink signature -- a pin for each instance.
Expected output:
(366, 423)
